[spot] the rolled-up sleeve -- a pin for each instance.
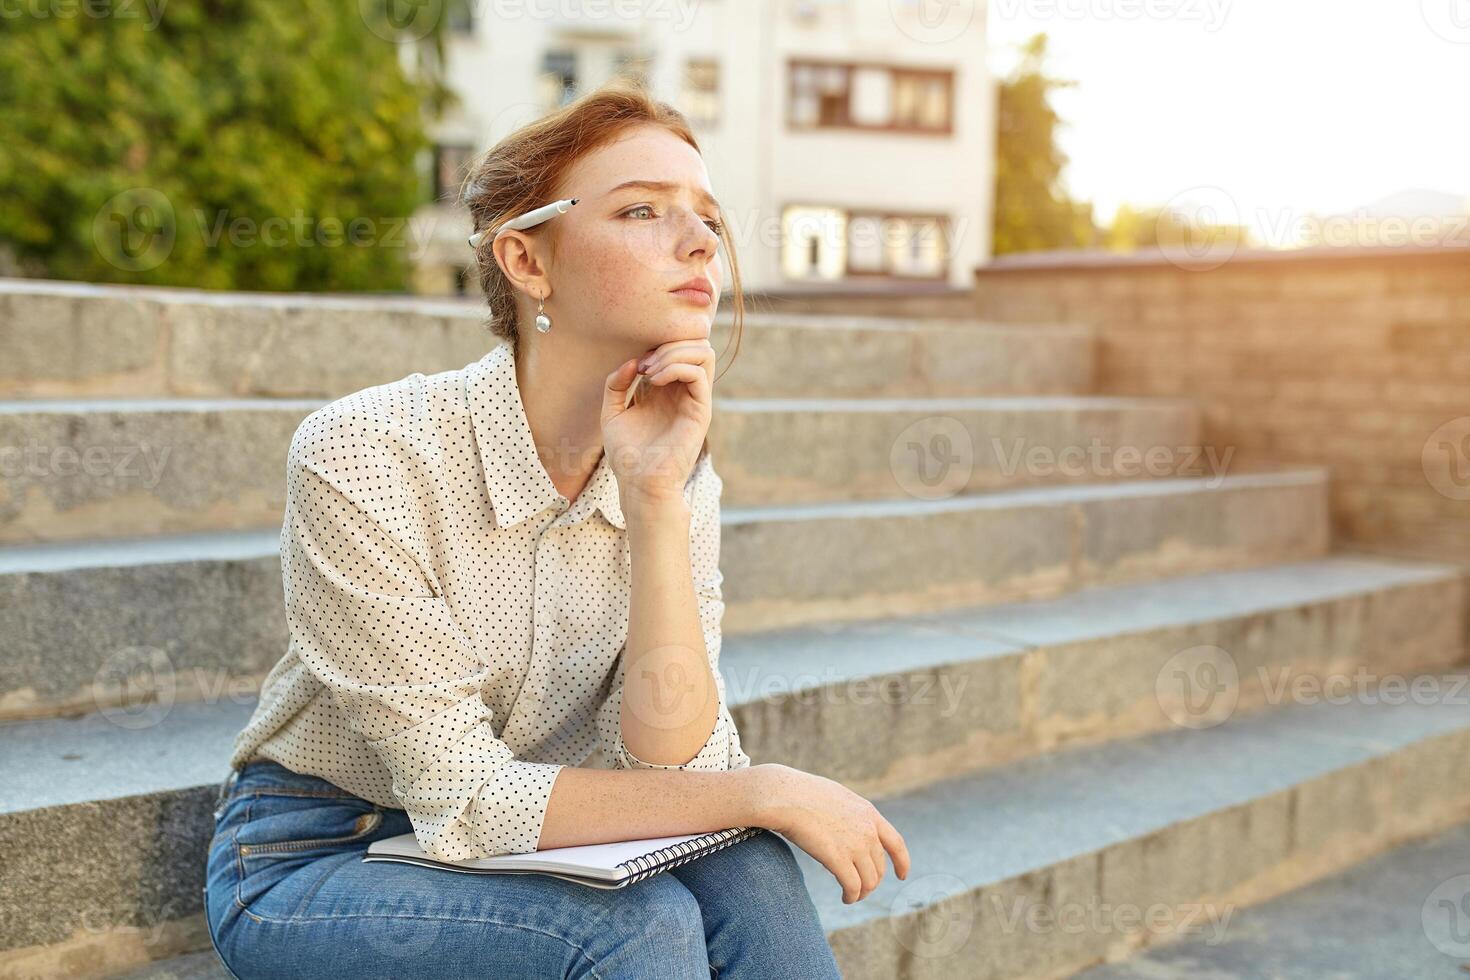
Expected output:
(368, 623)
(722, 750)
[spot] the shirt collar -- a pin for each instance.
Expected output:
(515, 477)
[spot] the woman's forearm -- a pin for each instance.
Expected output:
(593, 806)
(670, 701)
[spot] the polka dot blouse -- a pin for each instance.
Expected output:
(455, 622)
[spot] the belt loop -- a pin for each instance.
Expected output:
(224, 790)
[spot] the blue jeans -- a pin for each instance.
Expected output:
(287, 895)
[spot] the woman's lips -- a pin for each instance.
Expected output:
(697, 296)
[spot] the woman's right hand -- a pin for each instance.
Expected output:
(841, 829)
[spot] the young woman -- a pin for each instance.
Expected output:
(503, 591)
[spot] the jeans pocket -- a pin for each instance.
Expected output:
(275, 824)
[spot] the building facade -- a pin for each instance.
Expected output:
(850, 141)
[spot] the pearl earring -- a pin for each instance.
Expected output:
(543, 322)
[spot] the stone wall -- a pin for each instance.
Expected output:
(1354, 359)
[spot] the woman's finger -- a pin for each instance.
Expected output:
(676, 372)
(897, 849)
(869, 874)
(693, 374)
(615, 388)
(685, 351)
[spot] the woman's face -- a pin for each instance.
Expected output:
(623, 250)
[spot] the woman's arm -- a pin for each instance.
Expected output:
(670, 702)
(592, 806)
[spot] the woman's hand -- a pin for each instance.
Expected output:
(839, 828)
(652, 445)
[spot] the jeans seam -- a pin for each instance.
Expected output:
(428, 918)
(213, 944)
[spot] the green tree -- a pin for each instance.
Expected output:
(1032, 209)
(1186, 229)
(227, 144)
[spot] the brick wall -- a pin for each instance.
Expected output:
(1354, 359)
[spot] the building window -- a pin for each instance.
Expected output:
(813, 243)
(869, 97)
(701, 95)
(459, 17)
(832, 244)
(451, 164)
(633, 66)
(559, 75)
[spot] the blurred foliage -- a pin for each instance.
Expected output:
(1190, 230)
(225, 144)
(1032, 209)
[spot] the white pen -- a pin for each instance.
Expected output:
(528, 220)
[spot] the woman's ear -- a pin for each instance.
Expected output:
(515, 253)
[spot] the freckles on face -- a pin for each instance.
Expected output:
(623, 273)
(617, 273)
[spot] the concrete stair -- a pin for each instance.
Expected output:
(75, 614)
(1186, 824)
(119, 467)
(1400, 914)
(73, 340)
(1032, 641)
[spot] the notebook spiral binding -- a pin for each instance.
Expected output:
(677, 854)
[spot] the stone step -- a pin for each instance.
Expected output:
(953, 693)
(126, 467)
(1184, 821)
(1056, 863)
(74, 340)
(1401, 914)
(204, 612)
(801, 450)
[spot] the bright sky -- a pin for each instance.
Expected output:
(1287, 106)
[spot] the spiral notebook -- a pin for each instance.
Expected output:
(611, 865)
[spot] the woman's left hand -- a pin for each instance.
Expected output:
(653, 443)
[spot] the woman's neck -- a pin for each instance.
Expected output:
(562, 393)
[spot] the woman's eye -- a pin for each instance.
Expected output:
(713, 224)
